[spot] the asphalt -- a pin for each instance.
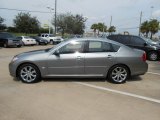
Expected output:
(78, 99)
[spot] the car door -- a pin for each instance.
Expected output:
(69, 61)
(98, 58)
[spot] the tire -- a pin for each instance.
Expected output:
(19, 46)
(118, 74)
(51, 42)
(5, 45)
(29, 73)
(153, 56)
(37, 43)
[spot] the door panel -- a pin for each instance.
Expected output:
(98, 63)
(99, 57)
(70, 60)
(66, 64)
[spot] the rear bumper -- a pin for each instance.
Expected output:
(141, 69)
(14, 43)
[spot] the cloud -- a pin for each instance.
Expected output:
(156, 13)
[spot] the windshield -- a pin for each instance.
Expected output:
(6, 35)
(26, 37)
(51, 35)
(149, 41)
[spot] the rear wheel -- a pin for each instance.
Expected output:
(37, 43)
(29, 73)
(51, 42)
(5, 45)
(118, 74)
(19, 46)
(153, 56)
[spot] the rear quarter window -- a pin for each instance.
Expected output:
(115, 47)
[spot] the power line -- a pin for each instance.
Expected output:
(23, 10)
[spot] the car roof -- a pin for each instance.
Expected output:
(96, 39)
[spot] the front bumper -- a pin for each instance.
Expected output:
(12, 69)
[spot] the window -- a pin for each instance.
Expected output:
(137, 41)
(97, 46)
(115, 47)
(72, 47)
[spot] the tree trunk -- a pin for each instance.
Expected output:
(151, 36)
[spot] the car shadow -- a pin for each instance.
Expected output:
(134, 78)
(74, 80)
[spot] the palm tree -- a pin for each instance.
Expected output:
(94, 27)
(144, 28)
(153, 27)
(112, 29)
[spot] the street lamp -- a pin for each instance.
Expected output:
(51, 9)
(55, 17)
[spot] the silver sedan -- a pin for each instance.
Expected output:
(80, 58)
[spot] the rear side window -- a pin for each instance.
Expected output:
(97, 46)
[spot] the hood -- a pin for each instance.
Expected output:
(31, 53)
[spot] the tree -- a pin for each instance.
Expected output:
(72, 24)
(144, 28)
(23, 22)
(112, 29)
(2, 26)
(101, 27)
(153, 27)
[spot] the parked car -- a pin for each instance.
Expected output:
(8, 39)
(51, 38)
(150, 47)
(80, 58)
(27, 40)
(39, 40)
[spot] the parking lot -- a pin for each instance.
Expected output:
(78, 99)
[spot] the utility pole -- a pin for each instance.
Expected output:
(140, 21)
(55, 18)
(110, 24)
(111, 21)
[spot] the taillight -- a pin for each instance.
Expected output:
(144, 56)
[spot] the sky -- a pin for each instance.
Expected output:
(125, 13)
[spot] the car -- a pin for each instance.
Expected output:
(39, 40)
(149, 46)
(27, 40)
(8, 40)
(80, 58)
(51, 38)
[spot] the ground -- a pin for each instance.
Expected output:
(78, 99)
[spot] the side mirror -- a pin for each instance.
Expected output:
(145, 44)
(57, 53)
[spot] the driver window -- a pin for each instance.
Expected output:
(72, 47)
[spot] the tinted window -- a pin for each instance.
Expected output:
(6, 35)
(72, 47)
(137, 41)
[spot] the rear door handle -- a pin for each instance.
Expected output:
(78, 57)
(109, 56)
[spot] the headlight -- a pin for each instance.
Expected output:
(14, 59)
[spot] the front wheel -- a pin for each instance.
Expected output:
(118, 74)
(29, 73)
